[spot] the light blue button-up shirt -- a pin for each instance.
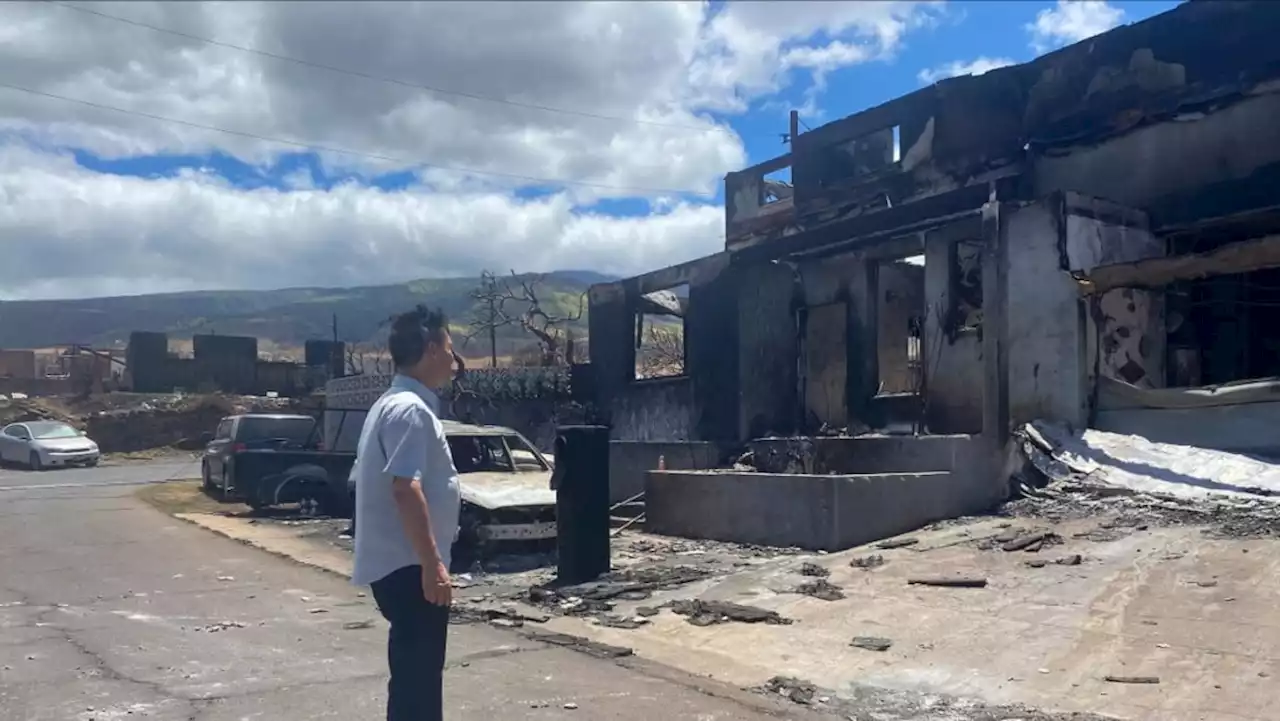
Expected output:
(402, 437)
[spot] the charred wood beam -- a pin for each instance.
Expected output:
(1230, 259)
(873, 228)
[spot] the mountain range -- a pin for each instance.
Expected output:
(287, 317)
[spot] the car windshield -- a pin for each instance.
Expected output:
(493, 454)
(526, 459)
(294, 430)
(50, 429)
(479, 454)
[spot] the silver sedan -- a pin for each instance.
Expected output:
(47, 444)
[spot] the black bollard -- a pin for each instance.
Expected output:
(581, 481)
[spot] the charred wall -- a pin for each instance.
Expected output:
(1140, 115)
(953, 364)
(701, 404)
(767, 350)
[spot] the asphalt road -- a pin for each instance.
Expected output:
(111, 610)
(110, 473)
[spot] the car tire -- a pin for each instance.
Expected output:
(206, 481)
(34, 462)
(223, 490)
(313, 501)
(92, 463)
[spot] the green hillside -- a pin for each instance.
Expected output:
(287, 317)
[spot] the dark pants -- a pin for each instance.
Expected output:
(415, 646)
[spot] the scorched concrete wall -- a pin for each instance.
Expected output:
(630, 460)
(952, 360)
(815, 512)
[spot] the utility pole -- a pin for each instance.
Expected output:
(795, 129)
(493, 331)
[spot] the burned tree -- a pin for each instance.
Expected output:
(661, 352)
(660, 340)
(364, 358)
(517, 302)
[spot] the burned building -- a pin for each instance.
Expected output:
(228, 364)
(1083, 238)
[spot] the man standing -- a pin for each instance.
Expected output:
(406, 514)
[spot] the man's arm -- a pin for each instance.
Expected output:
(404, 435)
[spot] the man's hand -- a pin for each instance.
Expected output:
(437, 587)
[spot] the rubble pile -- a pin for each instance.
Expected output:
(598, 598)
(870, 702)
(1065, 476)
(709, 613)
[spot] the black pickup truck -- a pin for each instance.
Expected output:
(271, 460)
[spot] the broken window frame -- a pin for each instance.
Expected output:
(915, 351)
(964, 300)
(639, 327)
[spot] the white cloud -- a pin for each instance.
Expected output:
(1071, 21)
(73, 232)
(957, 68)
(656, 64)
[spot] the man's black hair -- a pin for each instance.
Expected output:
(412, 331)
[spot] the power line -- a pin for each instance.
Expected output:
(368, 76)
(345, 151)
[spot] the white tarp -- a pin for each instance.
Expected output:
(1131, 462)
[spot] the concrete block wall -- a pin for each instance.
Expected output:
(815, 512)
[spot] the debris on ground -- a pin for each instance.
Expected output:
(509, 614)
(871, 643)
(220, 626)
(949, 582)
(794, 689)
(897, 543)
(580, 644)
(1132, 679)
(867, 563)
(821, 589)
(707, 613)
(627, 585)
(813, 569)
(862, 702)
(358, 625)
(627, 623)
(1031, 542)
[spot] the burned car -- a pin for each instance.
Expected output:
(505, 483)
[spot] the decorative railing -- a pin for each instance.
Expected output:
(492, 384)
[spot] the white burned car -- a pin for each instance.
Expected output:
(505, 483)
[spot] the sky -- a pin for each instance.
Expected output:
(156, 147)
